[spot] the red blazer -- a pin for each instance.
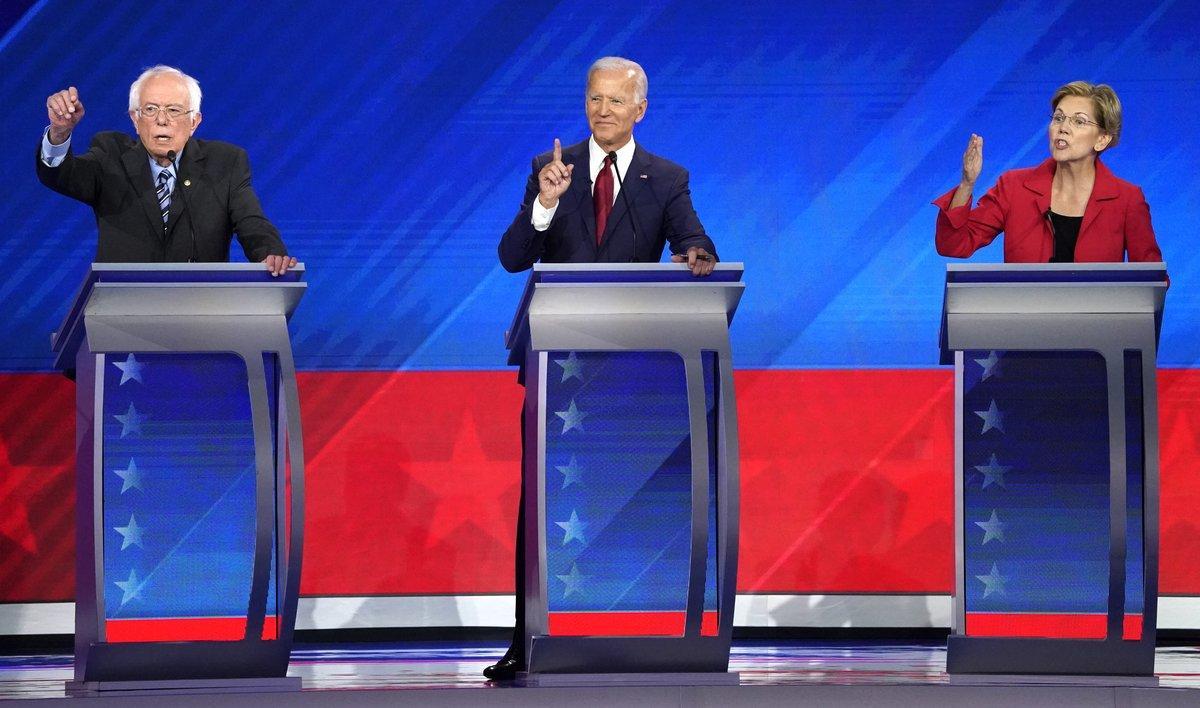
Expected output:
(1116, 220)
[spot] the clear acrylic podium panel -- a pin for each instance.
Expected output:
(1036, 495)
(618, 493)
(178, 497)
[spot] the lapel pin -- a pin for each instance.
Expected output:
(644, 176)
(187, 183)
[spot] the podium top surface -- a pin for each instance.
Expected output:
(631, 288)
(175, 289)
(1041, 289)
(1056, 273)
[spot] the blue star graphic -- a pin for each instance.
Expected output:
(570, 472)
(993, 528)
(131, 589)
(130, 477)
(571, 367)
(573, 581)
(991, 366)
(993, 582)
(131, 368)
(992, 418)
(131, 422)
(993, 471)
(131, 534)
(574, 529)
(572, 417)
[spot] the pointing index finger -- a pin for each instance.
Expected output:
(557, 150)
(73, 93)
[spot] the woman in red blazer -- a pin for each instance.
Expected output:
(1070, 208)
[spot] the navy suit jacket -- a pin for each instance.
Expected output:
(655, 189)
(113, 177)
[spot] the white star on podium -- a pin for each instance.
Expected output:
(993, 471)
(991, 366)
(130, 477)
(573, 527)
(131, 534)
(131, 422)
(993, 528)
(572, 417)
(993, 582)
(131, 588)
(571, 367)
(992, 418)
(573, 581)
(570, 472)
(131, 368)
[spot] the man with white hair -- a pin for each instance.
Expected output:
(604, 200)
(574, 210)
(167, 196)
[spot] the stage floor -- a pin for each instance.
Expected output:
(770, 673)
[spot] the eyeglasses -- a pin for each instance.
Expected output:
(173, 113)
(1078, 120)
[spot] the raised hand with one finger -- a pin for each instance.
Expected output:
(554, 178)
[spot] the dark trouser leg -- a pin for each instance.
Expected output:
(518, 641)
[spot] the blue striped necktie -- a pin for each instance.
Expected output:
(164, 195)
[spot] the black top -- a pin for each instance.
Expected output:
(1066, 232)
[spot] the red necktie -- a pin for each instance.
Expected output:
(602, 198)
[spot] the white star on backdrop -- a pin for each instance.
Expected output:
(131, 588)
(992, 418)
(572, 417)
(574, 529)
(993, 528)
(131, 421)
(131, 368)
(993, 471)
(991, 366)
(131, 534)
(993, 582)
(573, 581)
(130, 477)
(570, 472)
(571, 368)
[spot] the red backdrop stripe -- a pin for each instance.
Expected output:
(412, 482)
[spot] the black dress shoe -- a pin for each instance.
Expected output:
(504, 670)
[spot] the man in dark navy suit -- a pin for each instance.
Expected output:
(574, 212)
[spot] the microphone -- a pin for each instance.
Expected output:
(632, 217)
(182, 192)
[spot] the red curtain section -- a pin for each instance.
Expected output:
(412, 482)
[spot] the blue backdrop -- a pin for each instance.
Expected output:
(391, 145)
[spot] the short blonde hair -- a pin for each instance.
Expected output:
(1108, 106)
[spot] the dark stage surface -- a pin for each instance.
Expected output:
(770, 673)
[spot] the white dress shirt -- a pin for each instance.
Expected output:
(542, 216)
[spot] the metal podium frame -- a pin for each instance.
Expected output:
(1107, 308)
(633, 307)
(193, 307)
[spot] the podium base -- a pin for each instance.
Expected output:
(182, 686)
(690, 678)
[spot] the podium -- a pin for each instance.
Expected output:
(189, 476)
(631, 467)
(1056, 466)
